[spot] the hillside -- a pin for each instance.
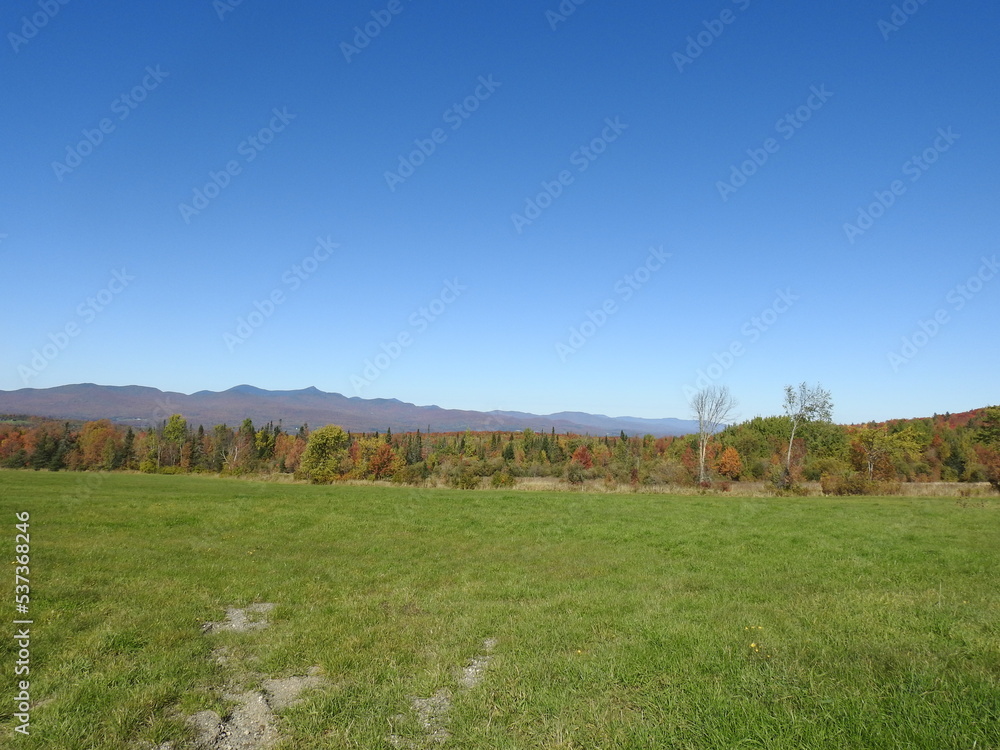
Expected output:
(140, 405)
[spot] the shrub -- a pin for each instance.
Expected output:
(856, 483)
(464, 480)
(669, 472)
(18, 460)
(413, 474)
(792, 490)
(757, 469)
(815, 470)
(851, 483)
(779, 476)
(574, 473)
(502, 479)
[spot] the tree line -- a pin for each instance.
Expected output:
(784, 449)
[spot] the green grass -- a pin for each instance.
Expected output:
(621, 620)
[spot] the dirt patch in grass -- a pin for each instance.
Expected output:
(432, 712)
(251, 725)
(472, 674)
(433, 716)
(285, 692)
(253, 617)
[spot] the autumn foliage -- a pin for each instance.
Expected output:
(729, 464)
(582, 456)
(852, 457)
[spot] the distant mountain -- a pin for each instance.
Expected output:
(141, 405)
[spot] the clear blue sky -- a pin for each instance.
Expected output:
(119, 119)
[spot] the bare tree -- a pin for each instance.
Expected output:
(804, 404)
(713, 407)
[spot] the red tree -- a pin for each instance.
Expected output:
(582, 456)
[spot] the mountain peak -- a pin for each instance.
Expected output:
(251, 389)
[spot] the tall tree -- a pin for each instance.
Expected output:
(878, 450)
(989, 426)
(127, 457)
(713, 407)
(174, 434)
(324, 452)
(804, 404)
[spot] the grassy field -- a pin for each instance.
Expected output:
(619, 621)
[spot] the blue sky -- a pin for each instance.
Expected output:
(506, 207)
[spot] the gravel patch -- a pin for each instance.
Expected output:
(242, 620)
(432, 713)
(251, 724)
(285, 692)
(249, 727)
(472, 674)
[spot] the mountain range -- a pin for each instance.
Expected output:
(141, 405)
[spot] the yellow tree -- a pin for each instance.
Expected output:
(98, 440)
(729, 464)
(876, 450)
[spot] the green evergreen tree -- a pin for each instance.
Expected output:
(127, 459)
(508, 450)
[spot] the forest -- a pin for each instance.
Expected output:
(873, 458)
